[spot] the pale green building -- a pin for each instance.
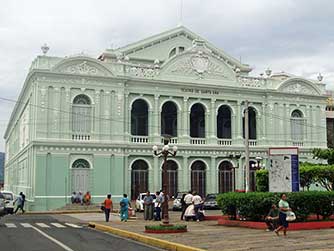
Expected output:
(85, 124)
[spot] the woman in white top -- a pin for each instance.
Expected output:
(197, 201)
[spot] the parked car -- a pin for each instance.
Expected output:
(210, 202)
(9, 201)
(177, 201)
(140, 201)
(2, 205)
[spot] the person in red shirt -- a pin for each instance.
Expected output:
(107, 206)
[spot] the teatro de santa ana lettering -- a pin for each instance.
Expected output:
(89, 124)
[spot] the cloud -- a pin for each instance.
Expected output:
(291, 35)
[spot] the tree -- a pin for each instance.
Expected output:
(326, 154)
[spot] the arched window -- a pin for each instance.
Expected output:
(251, 123)
(198, 177)
(81, 115)
(80, 163)
(139, 178)
(139, 118)
(197, 121)
(169, 119)
(224, 123)
(226, 177)
(297, 126)
(171, 179)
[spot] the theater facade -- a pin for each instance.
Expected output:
(89, 124)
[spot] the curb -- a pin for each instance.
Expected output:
(144, 239)
(64, 212)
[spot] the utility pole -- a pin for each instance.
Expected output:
(247, 147)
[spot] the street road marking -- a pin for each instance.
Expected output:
(10, 225)
(26, 225)
(43, 225)
(72, 225)
(58, 225)
(53, 239)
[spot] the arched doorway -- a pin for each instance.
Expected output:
(198, 177)
(197, 121)
(226, 177)
(224, 123)
(169, 119)
(80, 175)
(251, 123)
(171, 179)
(139, 178)
(139, 118)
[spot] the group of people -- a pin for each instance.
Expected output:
(80, 198)
(107, 207)
(153, 209)
(276, 219)
(192, 206)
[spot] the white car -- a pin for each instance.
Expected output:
(9, 200)
(140, 201)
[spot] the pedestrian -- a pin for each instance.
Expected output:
(124, 208)
(197, 201)
(87, 198)
(283, 211)
(271, 219)
(148, 206)
(73, 197)
(20, 202)
(186, 201)
(157, 206)
(107, 203)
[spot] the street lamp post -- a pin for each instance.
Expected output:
(165, 152)
(258, 164)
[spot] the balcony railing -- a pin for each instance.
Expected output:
(197, 141)
(171, 141)
(139, 139)
(252, 142)
(224, 142)
(80, 137)
(297, 143)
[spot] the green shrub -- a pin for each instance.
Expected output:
(255, 206)
(262, 184)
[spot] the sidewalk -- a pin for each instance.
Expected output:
(209, 236)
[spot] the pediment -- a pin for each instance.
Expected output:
(299, 86)
(82, 66)
(197, 63)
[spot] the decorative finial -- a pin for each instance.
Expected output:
(156, 63)
(268, 72)
(320, 77)
(45, 48)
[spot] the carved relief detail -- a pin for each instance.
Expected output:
(82, 68)
(141, 72)
(200, 64)
(299, 87)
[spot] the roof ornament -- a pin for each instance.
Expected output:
(156, 63)
(45, 48)
(268, 72)
(320, 77)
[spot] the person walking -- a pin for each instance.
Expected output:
(186, 201)
(157, 206)
(197, 201)
(124, 208)
(148, 206)
(108, 206)
(283, 211)
(20, 203)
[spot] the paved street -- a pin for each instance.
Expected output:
(209, 236)
(33, 232)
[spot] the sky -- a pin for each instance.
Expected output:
(294, 36)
